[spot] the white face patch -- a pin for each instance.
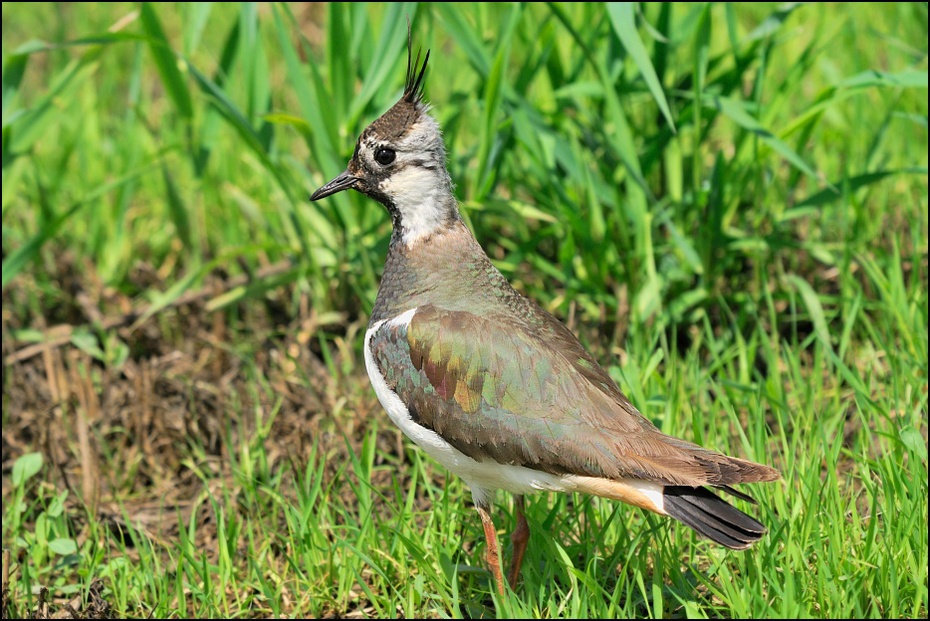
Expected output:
(416, 182)
(422, 197)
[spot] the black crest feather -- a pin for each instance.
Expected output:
(413, 85)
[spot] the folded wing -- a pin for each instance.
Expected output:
(530, 395)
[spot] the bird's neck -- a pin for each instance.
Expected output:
(422, 204)
(447, 268)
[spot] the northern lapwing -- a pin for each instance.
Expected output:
(492, 386)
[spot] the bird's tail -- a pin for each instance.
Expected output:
(711, 516)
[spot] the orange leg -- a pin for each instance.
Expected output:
(494, 560)
(520, 537)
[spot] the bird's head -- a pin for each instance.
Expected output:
(400, 161)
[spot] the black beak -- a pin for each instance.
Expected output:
(343, 182)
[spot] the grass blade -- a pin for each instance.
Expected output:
(856, 182)
(736, 111)
(623, 22)
(19, 258)
(166, 61)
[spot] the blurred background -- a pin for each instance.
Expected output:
(727, 202)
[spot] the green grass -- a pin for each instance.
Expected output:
(727, 203)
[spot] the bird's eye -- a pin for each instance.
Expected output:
(384, 156)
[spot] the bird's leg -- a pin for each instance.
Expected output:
(520, 537)
(494, 560)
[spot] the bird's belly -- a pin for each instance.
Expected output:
(483, 477)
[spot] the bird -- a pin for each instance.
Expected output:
(492, 386)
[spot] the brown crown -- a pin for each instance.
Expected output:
(394, 123)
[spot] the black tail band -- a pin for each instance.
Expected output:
(712, 516)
